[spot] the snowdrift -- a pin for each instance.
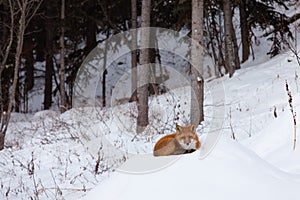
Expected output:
(229, 172)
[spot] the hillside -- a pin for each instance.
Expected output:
(259, 164)
(250, 135)
(55, 156)
(229, 172)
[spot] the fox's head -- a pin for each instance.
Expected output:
(186, 136)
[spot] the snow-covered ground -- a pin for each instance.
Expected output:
(259, 164)
(231, 171)
(92, 153)
(53, 156)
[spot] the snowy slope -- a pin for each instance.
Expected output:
(265, 167)
(255, 95)
(55, 156)
(229, 172)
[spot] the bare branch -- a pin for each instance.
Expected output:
(34, 11)
(24, 7)
(8, 47)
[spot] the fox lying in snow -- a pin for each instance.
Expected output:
(184, 140)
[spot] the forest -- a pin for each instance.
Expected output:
(89, 90)
(43, 43)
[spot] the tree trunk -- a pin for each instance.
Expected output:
(244, 31)
(104, 73)
(4, 19)
(134, 51)
(63, 103)
(142, 91)
(210, 31)
(29, 61)
(104, 87)
(219, 37)
(235, 48)
(17, 102)
(2, 141)
(153, 89)
(29, 68)
(197, 82)
(49, 56)
(229, 49)
(20, 37)
(91, 41)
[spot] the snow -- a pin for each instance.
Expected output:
(54, 156)
(259, 164)
(93, 153)
(231, 171)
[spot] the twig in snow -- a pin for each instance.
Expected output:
(58, 192)
(296, 80)
(100, 159)
(7, 192)
(275, 112)
(232, 132)
(30, 167)
(292, 111)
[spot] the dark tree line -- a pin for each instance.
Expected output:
(47, 32)
(85, 19)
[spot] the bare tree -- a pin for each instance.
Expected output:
(245, 37)
(27, 9)
(5, 52)
(237, 63)
(49, 51)
(142, 91)
(229, 49)
(197, 81)
(134, 51)
(63, 103)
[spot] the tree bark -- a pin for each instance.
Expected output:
(2, 141)
(134, 51)
(49, 56)
(91, 41)
(105, 72)
(142, 91)
(104, 87)
(29, 62)
(197, 82)
(244, 31)
(235, 48)
(63, 103)
(229, 49)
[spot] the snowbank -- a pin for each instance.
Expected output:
(229, 172)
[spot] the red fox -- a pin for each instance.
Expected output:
(184, 140)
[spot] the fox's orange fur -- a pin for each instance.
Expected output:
(184, 140)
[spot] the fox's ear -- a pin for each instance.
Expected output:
(193, 127)
(178, 128)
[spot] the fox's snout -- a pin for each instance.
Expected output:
(187, 145)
